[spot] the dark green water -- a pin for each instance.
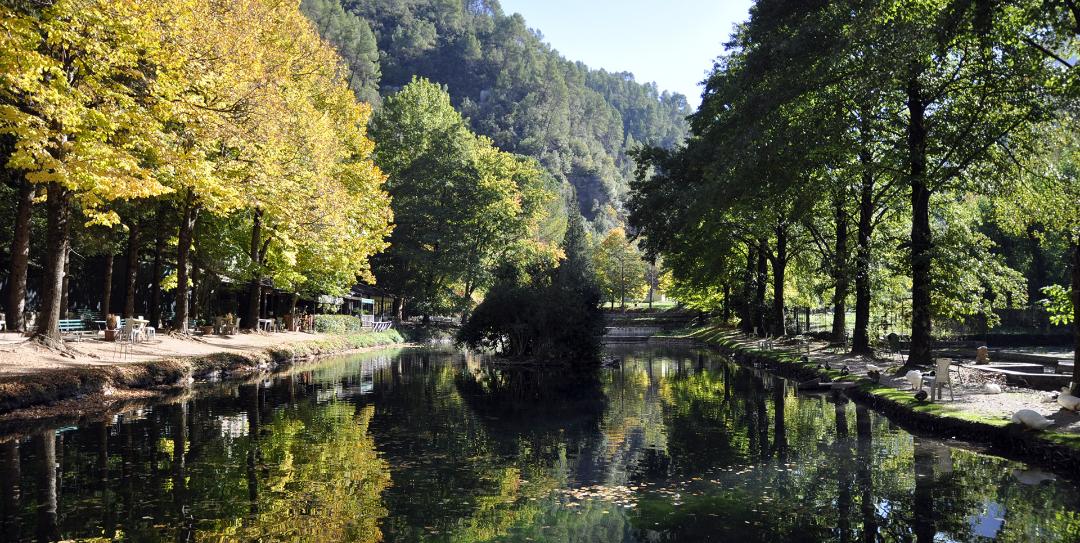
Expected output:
(677, 445)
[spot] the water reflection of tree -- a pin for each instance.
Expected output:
(174, 473)
(863, 474)
(294, 459)
(45, 446)
(311, 473)
(906, 488)
(632, 428)
(462, 468)
(10, 475)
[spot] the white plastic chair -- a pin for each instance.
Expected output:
(138, 333)
(148, 332)
(125, 340)
(942, 379)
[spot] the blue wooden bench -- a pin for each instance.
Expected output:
(74, 328)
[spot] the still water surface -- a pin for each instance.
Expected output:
(676, 445)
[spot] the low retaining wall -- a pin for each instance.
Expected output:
(47, 387)
(1022, 375)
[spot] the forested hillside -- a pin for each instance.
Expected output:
(511, 86)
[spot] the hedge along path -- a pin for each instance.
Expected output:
(169, 375)
(1059, 451)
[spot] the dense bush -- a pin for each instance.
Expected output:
(547, 314)
(338, 324)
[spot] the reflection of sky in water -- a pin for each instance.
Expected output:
(990, 522)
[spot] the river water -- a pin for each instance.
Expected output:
(675, 445)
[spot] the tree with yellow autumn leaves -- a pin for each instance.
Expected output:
(212, 109)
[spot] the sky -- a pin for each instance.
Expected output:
(672, 42)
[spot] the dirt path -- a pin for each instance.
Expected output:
(19, 356)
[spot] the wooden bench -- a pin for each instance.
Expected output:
(74, 328)
(381, 326)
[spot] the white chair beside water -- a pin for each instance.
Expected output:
(941, 379)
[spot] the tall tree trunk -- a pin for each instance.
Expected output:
(189, 215)
(1038, 264)
(860, 343)
(255, 288)
(57, 242)
(155, 278)
(466, 301)
(399, 309)
(20, 257)
(132, 277)
(652, 283)
(760, 285)
(1075, 249)
(779, 265)
(197, 279)
(726, 311)
(746, 317)
(65, 288)
(840, 271)
(106, 295)
(920, 228)
(622, 282)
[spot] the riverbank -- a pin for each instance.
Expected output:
(93, 384)
(975, 416)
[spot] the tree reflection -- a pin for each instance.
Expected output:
(863, 474)
(179, 472)
(679, 446)
(923, 497)
(312, 474)
(45, 446)
(779, 428)
(843, 471)
(10, 485)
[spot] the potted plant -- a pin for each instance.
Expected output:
(205, 326)
(112, 322)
